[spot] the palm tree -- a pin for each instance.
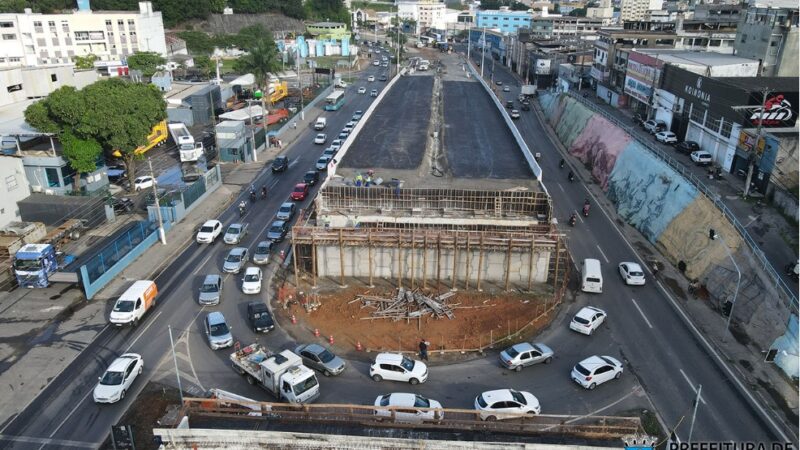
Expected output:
(261, 60)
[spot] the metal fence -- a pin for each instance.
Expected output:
(679, 167)
(112, 253)
(194, 191)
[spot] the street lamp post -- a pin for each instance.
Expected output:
(483, 51)
(713, 235)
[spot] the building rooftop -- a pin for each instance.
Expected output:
(787, 84)
(183, 90)
(671, 56)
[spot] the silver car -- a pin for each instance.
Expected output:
(525, 354)
(210, 290)
(320, 358)
(286, 211)
(262, 252)
(235, 233)
(217, 330)
(235, 260)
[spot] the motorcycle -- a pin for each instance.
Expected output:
(586, 210)
(264, 193)
(561, 164)
(242, 208)
(252, 196)
(571, 176)
(572, 220)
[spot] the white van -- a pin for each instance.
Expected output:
(320, 124)
(591, 277)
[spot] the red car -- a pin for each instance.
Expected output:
(300, 191)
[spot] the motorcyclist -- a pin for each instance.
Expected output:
(571, 176)
(573, 219)
(561, 164)
(252, 195)
(586, 207)
(242, 207)
(264, 192)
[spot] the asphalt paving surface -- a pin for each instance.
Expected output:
(476, 139)
(397, 131)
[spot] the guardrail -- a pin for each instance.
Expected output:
(679, 167)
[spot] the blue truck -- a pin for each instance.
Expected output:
(33, 265)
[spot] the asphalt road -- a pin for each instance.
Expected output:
(658, 345)
(644, 330)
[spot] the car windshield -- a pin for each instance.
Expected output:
(421, 402)
(481, 402)
(608, 360)
(304, 385)
(234, 230)
(234, 257)
(275, 229)
(262, 249)
(385, 400)
(518, 397)
(512, 352)
(208, 288)
(206, 229)
(326, 356)
(286, 209)
(124, 306)
(112, 378)
(580, 319)
(636, 273)
(219, 329)
(407, 363)
(300, 188)
(27, 264)
(251, 277)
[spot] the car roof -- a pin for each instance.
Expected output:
(499, 395)
(587, 312)
(235, 225)
(121, 363)
(237, 251)
(268, 243)
(251, 270)
(210, 223)
(215, 317)
(632, 266)
(402, 399)
(314, 348)
(522, 347)
(389, 358)
(302, 185)
(278, 223)
(593, 362)
(287, 205)
(211, 278)
(281, 158)
(257, 306)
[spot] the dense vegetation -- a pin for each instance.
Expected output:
(178, 11)
(496, 4)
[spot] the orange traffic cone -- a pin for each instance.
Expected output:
(330, 339)
(316, 332)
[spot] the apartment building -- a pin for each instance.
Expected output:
(637, 9)
(565, 27)
(504, 20)
(33, 39)
(770, 33)
(426, 13)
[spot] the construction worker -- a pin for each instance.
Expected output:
(356, 222)
(359, 180)
(369, 181)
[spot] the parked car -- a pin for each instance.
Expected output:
(358, 115)
(329, 152)
(300, 192)
(262, 252)
(362, 90)
(321, 358)
(408, 407)
(336, 144)
(217, 331)
(383, 77)
(631, 273)
(277, 231)
(235, 233)
(376, 63)
(144, 182)
(210, 290)
(514, 114)
(499, 83)
(280, 164)
(351, 124)
(701, 158)
(506, 404)
(654, 126)
(118, 378)
(122, 205)
(506, 89)
(596, 370)
(320, 138)
(343, 135)
(687, 147)
(259, 317)
(311, 177)
(322, 163)
(666, 137)
(209, 232)
(286, 211)
(510, 104)
(371, 78)
(587, 320)
(235, 260)
(525, 354)
(251, 283)
(396, 367)
(373, 93)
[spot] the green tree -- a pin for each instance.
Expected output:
(197, 42)
(204, 65)
(147, 62)
(261, 60)
(578, 12)
(82, 155)
(85, 62)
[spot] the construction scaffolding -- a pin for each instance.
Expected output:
(423, 257)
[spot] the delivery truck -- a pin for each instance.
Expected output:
(282, 374)
(134, 303)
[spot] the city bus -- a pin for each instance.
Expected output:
(334, 101)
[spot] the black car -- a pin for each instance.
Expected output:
(687, 147)
(122, 205)
(510, 104)
(311, 177)
(525, 106)
(280, 164)
(259, 317)
(382, 78)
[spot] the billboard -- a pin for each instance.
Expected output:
(542, 67)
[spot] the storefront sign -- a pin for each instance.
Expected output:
(747, 141)
(779, 111)
(637, 89)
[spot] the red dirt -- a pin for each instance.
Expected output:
(472, 328)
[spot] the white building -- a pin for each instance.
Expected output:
(24, 83)
(33, 39)
(633, 10)
(13, 188)
(426, 13)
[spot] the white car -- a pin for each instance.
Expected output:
(514, 114)
(596, 370)
(320, 138)
(373, 93)
(408, 407)
(506, 404)
(506, 89)
(336, 144)
(251, 283)
(209, 232)
(371, 78)
(376, 63)
(396, 367)
(362, 90)
(118, 378)
(144, 182)
(667, 137)
(701, 158)
(587, 320)
(631, 273)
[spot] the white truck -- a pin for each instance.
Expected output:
(190, 150)
(528, 90)
(423, 65)
(320, 124)
(283, 374)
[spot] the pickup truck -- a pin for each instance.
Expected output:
(235, 233)
(282, 374)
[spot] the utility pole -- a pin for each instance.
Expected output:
(253, 127)
(483, 51)
(469, 41)
(694, 412)
(397, 65)
(754, 152)
(300, 85)
(161, 234)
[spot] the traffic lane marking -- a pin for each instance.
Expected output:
(601, 252)
(642, 313)
(685, 377)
